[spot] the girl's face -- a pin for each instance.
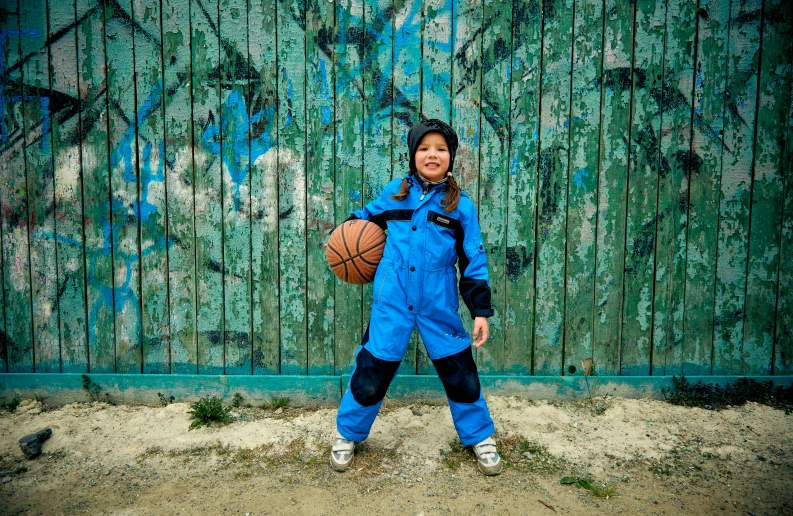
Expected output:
(432, 157)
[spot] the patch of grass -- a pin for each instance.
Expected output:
(513, 448)
(209, 411)
(275, 403)
(165, 400)
(12, 405)
(454, 457)
(595, 489)
(716, 397)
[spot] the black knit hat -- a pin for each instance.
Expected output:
(432, 125)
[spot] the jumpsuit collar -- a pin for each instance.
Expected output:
(427, 185)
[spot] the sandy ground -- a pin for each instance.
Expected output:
(647, 456)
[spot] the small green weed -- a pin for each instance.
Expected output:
(165, 400)
(237, 400)
(94, 390)
(275, 403)
(596, 490)
(12, 405)
(208, 411)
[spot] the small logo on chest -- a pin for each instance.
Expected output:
(443, 220)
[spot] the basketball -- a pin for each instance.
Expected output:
(354, 250)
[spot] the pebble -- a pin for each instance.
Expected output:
(527, 455)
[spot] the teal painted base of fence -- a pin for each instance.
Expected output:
(59, 389)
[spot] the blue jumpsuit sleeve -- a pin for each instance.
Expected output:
(472, 263)
(378, 205)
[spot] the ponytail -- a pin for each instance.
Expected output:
(404, 189)
(452, 195)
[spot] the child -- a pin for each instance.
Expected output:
(431, 225)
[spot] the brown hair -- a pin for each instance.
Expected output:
(450, 200)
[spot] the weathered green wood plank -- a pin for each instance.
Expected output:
(319, 169)
(151, 208)
(522, 196)
(38, 111)
(783, 341)
(179, 181)
(466, 90)
(68, 191)
(582, 184)
(640, 226)
(767, 188)
(348, 166)
(711, 66)
(552, 197)
(96, 188)
(495, 356)
(235, 165)
(123, 116)
(436, 69)
(436, 59)
(407, 109)
(264, 187)
(378, 50)
(615, 129)
(14, 224)
(736, 189)
(292, 122)
(208, 211)
(675, 166)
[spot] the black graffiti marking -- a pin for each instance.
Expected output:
(518, 260)
(285, 214)
(690, 161)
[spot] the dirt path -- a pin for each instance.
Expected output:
(652, 457)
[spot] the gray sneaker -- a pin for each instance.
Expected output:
(487, 459)
(341, 454)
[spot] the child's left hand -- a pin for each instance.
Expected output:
(481, 330)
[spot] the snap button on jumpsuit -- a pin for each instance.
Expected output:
(415, 286)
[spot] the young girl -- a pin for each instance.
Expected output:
(431, 225)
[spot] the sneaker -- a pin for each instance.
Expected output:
(341, 454)
(487, 459)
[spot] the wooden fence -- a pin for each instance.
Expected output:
(171, 168)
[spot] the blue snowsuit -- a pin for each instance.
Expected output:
(415, 286)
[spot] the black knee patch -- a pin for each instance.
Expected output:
(371, 378)
(459, 376)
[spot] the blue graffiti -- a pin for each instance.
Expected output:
(143, 208)
(44, 102)
(229, 140)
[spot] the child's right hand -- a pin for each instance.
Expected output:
(481, 330)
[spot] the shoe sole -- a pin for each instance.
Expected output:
(491, 473)
(339, 467)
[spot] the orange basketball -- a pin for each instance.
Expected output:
(354, 250)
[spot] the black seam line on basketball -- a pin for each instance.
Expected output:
(348, 259)
(338, 254)
(344, 240)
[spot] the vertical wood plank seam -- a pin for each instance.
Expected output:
(50, 68)
(194, 342)
(249, 110)
(479, 149)
(537, 188)
(165, 188)
(223, 271)
(509, 148)
(332, 50)
(27, 192)
(597, 189)
(688, 179)
(134, 120)
(82, 194)
(658, 164)
(110, 189)
(627, 191)
(277, 125)
(305, 173)
(752, 186)
(718, 186)
(787, 144)
(567, 189)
